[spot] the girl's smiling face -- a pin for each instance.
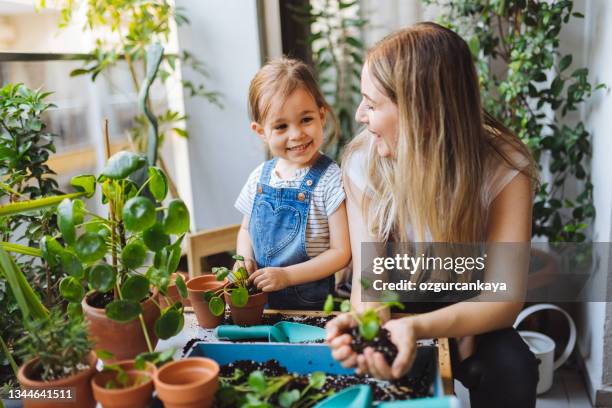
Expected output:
(380, 115)
(293, 129)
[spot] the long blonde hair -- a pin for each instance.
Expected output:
(433, 183)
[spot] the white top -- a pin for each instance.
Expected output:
(327, 196)
(498, 173)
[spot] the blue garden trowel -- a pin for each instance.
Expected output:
(360, 396)
(282, 332)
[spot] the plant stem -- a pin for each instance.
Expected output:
(9, 357)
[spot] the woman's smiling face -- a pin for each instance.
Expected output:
(380, 115)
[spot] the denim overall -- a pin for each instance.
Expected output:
(278, 233)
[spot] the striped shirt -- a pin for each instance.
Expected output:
(326, 198)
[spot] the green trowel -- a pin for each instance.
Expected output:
(282, 332)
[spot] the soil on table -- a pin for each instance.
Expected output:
(418, 385)
(272, 319)
(381, 343)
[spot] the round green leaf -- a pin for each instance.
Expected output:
(64, 221)
(74, 310)
(133, 254)
(239, 296)
(369, 329)
(51, 250)
(102, 277)
(136, 287)
(176, 220)
(138, 214)
(71, 264)
(287, 398)
(158, 185)
(257, 381)
(90, 247)
(71, 289)
(85, 183)
(169, 324)
(345, 306)
(216, 305)
(181, 286)
(317, 380)
(155, 238)
(123, 310)
(328, 307)
(122, 164)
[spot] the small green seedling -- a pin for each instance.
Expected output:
(369, 322)
(238, 289)
(122, 379)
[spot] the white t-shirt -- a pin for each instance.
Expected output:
(327, 196)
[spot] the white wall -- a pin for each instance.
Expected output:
(222, 150)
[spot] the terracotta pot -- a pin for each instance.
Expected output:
(172, 292)
(138, 396)
(196, 287)
(188, 383)
(251, 313)
(124, 340)
(78, 383)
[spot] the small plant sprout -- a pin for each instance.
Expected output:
(368, 321)
(238, 289)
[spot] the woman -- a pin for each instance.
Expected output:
(431, 166)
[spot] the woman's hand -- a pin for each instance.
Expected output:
(270, 279)
(340, 341)
(404, 337)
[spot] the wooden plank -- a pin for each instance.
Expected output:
(209, 242)
(444, 366)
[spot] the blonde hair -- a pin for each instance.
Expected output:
(433, 183)
(279, 78)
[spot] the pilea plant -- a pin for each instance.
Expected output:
(239, 289)
(106, 257)
(259, 390)
(368, 332)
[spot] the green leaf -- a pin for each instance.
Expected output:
(51, 250)
(181, 286)
(21, 207)
(71, 264)
(138, 214)
(317, 380)
(176, 220)
(174, 255)
(257, 381)
(85, 183)
(369, 329)
(474, 45)
(239, 296)
(169, 324)
(345, 306)
(122, 164)
(216, 305)
(155, 238)
(71, 289)
(328, 307)
(104, 354)
(158, 185)
(90, 247)
(136, 288)
(123, 310)
(133, 254)
(565, 62)
(69, 213)
(74, 310)
(102, 277)
(287, 398)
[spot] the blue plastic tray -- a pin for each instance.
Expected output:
(305, 358)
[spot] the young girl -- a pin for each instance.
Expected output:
(294, 232)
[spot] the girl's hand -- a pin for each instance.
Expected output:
(270, 279)
(340, 341)
(404, 337)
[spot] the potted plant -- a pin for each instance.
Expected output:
(59, 362)
(246, 302)
(369, 331)
(106, 257)
(199, 290)
(175, 292)
(188, 383)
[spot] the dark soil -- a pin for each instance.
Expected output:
(100, 300)
(415, 386)
(272, 319)
(381, 343)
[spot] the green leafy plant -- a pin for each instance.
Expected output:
(135, 26)
(337, 52)
(60, 344)
(259, 390)
(108, 255)
(368, 321)
(238, 289)
(528, 84)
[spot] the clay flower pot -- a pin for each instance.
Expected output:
(124, 340)
(172, 292)
(136, 396)
(188, 383)
(251, 313)
(78, 383)
(196, 287)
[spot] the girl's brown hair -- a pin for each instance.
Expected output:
(278, 79)
(434, 182)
